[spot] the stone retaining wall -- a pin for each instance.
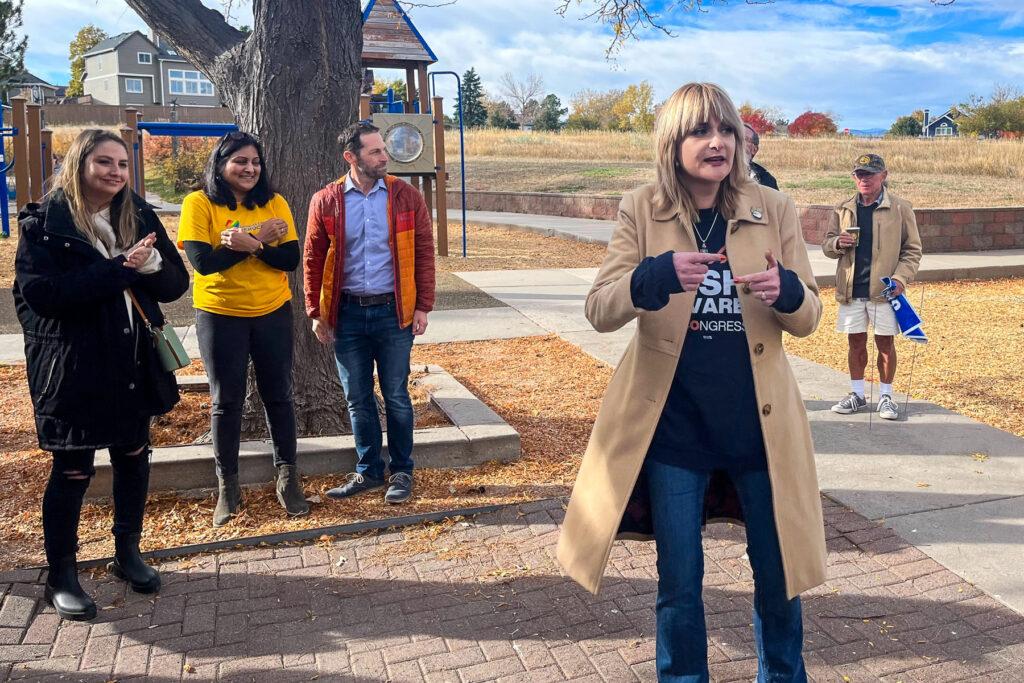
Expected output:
(942, 230)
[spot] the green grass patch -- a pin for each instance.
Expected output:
(157, 185)
(829, 182)
(605, 172)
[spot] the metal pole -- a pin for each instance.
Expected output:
(5, 211)
(462, 150)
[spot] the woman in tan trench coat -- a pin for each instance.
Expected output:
(703, 419)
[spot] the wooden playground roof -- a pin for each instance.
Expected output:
(390, 40)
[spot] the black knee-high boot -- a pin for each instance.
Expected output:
(130, 486)
(62, 508)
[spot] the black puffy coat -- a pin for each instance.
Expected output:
(762, 176)
(92, 373)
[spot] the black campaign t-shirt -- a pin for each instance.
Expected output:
(710, 419)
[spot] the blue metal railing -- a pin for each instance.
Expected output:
(5, 166)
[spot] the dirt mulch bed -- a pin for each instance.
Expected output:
(972, 363)
(546, 388)
(494, 248)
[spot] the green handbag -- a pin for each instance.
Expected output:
(165, 340)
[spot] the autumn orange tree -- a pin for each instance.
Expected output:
(812, 124)
(758, 119)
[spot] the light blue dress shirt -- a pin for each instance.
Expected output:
(369, 268)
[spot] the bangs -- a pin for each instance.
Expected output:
(701, 104)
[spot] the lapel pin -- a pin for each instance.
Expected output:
(756, 213)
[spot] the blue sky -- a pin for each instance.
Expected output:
(867, 61)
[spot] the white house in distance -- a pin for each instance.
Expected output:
(131, 69)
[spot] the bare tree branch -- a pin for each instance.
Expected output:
(628, 17)
(200, 34)
(520, 93)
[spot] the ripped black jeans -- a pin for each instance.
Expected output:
(69, 478)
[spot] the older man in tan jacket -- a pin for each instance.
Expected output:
(874, 235)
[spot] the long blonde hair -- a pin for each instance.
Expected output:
(69, 179)
(688, 107)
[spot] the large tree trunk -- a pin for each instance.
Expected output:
(294, 82)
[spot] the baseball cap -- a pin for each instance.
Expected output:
(872, 163)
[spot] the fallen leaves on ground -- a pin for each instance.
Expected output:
(546, 388)
(972, 362)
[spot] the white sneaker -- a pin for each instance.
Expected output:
(887, 408)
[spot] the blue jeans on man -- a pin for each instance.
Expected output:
(368, 336)
(681, 653)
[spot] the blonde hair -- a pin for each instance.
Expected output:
(688, 107)
(69, 179)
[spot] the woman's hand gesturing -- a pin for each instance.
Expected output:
(765, 285)
(692, 266)
(137, 256)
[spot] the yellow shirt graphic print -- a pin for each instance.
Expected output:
(249, 288)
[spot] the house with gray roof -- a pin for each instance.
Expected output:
(944, 126)
(33, 89)
(132, 69)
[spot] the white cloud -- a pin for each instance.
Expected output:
(825, 55)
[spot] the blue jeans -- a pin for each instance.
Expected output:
(677, 499)
(366, 335)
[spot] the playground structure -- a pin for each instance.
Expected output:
(413, 129)
(31, 156)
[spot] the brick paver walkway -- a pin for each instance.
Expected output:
(485, 602)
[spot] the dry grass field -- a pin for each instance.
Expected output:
(930, 173)
(956, 172)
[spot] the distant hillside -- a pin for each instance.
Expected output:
(869, 133)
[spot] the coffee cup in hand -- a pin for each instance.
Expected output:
(854, 232)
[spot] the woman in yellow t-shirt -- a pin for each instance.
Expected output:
(240, 238)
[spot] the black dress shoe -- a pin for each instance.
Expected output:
(355, 484)
(400, 489)
(129, 566)
(65, 593)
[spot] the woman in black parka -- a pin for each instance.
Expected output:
(93, 372)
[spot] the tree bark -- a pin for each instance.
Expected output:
(294, 83)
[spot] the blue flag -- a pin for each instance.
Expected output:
(907, 318)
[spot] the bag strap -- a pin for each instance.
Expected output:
(138, 308)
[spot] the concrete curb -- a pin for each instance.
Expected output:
(198, 384)
(478, 435)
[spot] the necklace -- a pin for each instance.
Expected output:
(704, 238)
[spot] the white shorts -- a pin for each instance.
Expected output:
(854, 316)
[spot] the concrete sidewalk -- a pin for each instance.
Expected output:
(922, 475)
(934, 267)
(486, 602)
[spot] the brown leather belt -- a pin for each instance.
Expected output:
(371, 300)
